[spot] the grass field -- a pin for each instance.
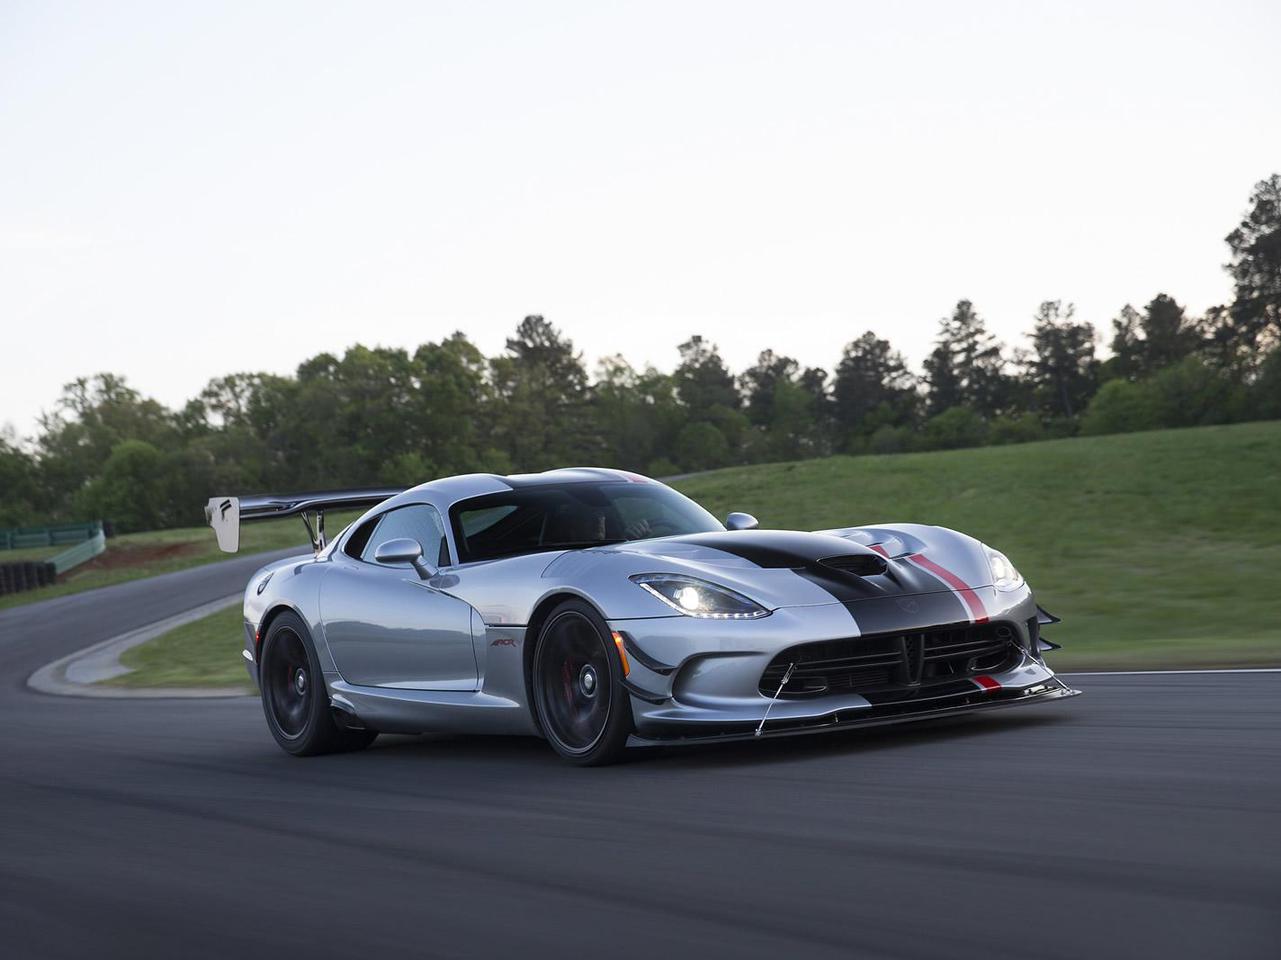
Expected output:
(204, 653)
(1157, 549)
(134, 555)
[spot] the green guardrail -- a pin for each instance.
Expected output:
(80, 553)
(23, 538)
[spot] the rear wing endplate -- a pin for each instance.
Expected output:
(226, 514)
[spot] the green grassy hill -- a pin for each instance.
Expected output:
(1156, 549)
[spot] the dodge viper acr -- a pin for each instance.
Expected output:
(598, 608)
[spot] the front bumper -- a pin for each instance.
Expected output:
(693, 680)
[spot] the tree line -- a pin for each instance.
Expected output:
(386, 415)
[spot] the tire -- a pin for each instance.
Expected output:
(580, 703)
(294, 698)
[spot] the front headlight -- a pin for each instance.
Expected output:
(692, 597)
(1004, 576)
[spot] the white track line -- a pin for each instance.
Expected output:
(1148, 673)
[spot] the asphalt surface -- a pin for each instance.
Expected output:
(1138, 820)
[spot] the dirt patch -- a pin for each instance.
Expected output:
(133, 555)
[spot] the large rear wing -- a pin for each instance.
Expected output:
(226, 514)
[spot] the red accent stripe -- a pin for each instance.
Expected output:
(972, 600)
(881, 550)
(987, 683)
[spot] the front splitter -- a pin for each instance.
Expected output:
(841, 720)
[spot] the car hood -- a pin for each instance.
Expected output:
(779, 568)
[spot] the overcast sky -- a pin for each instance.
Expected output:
(188, 190)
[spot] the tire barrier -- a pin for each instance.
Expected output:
(87, 540)
(26, 575)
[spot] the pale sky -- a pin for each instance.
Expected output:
(188, 189)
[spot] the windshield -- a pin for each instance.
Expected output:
(572, 515)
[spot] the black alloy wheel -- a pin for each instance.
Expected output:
(583, 709)
(294, 698)
(287, 683)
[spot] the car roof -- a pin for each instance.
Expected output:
(449, 490)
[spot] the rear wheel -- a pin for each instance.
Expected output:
(294, 697)
(583, 709)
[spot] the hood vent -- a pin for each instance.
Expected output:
(859, 564)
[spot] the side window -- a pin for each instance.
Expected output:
(417, 522)
(359, 539)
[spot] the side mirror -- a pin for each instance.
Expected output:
(741, 521)
(405, 550)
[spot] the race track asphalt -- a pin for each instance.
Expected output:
(1140, 820)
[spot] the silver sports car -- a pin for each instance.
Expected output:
(598, 608)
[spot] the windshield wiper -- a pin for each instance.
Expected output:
(548, 547)
(579, 544)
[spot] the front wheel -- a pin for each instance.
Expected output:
(293, 694)
(583, 709)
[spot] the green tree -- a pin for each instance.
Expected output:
(1021, 428)
(760, 382)
(892, 440)
(707, 390)
(1151, 340)
(134, 489)
(1256, 269)
(1120, 406)
(819, 405)
(703, 381)
(967, 366)
(1265, 391)
(787, 407)
(701, 446)
(1191, 393)
(872, 389)
(1061, 370)
(1168, 334)
(92, 416)
(541, 390)
(450, 408)
(636, 415)
(958, 427)
(1126, 362)
(19, 483)
(1220, 345)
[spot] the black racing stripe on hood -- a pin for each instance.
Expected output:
(905, 614)
(804, 553)
(776, 549)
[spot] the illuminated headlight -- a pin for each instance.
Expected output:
(698, 598)
(1004, 576)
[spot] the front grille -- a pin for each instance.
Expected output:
(892, 664)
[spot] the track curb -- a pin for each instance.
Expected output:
(80, 674)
